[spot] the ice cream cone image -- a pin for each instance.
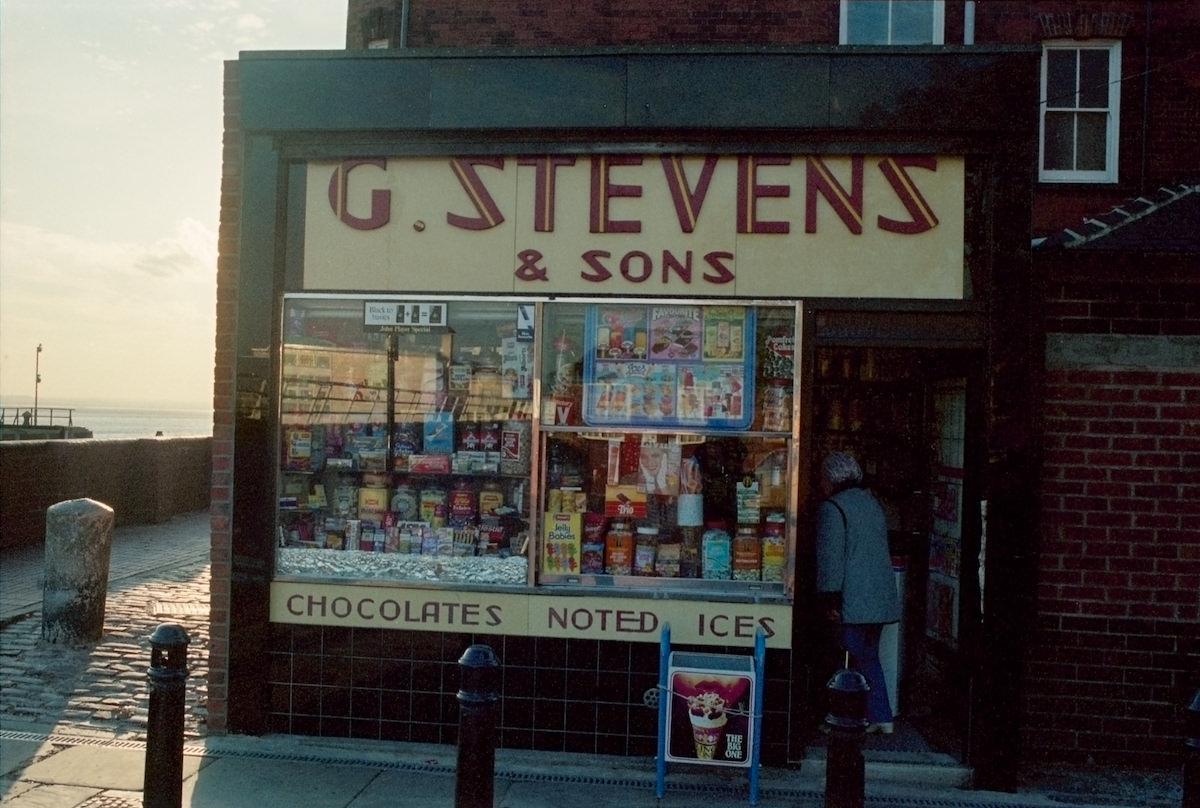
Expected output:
(706, 711)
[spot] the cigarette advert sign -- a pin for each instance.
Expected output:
(398, 317)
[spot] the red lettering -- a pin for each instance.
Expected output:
(599, 272)
(749, 191)
(294, 604)
(923, 217)
(687, 201)
(381, 198)
(721, 273)
(743, 625)
(637, 266)
(361, 612)
(848, 205)
(603, 189)
(672, 264)
(481, 199)
(767, 624)
(544, 185)
(627, 266)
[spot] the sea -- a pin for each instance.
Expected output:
(121, 423)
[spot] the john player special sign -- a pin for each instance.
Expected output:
(744, 225)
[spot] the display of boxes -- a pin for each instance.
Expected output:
(429, 464)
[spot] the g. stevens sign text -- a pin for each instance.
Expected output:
(732, 225)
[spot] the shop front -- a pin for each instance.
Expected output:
(561, 386)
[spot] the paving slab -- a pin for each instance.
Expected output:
(50, 796)
(14, 755)
(392, 789)
(98, 766)
(241, 783)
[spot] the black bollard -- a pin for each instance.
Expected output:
(477, 700)
(163, 787)
(1191, 760)
(847, 721)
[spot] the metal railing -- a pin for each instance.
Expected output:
(39, 416)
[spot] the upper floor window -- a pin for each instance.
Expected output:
(893, 22)
(1080, 111)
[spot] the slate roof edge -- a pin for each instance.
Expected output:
(1098, 227)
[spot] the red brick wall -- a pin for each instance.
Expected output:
(545, 23)
(224, 401)
(1132, 305)
(1116, 656)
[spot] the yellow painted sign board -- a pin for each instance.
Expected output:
(530, 614)
(881, 226)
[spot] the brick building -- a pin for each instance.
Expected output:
(1028, 410)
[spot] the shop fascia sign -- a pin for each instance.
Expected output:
(734, 225)
(529, 614)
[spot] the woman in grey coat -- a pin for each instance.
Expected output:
(854, 575)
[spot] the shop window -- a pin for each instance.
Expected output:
(892, 22)
(661, 456)
(1079, 111)
(666, 436)
(405, 439)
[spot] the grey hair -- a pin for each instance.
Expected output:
(840, 468)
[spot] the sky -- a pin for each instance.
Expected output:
(110, 172)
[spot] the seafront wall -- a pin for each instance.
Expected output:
(144, 481)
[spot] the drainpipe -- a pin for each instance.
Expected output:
(403, 36)
(969, 22)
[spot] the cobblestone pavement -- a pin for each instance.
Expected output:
(102, 688)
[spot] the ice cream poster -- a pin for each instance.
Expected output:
(710, 718)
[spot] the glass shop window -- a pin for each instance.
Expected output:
(405, 439)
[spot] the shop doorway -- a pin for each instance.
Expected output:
(907, 415)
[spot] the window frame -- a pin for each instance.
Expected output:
(938, 34)
(1113, 111)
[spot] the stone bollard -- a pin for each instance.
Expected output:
(1191, 760)
(78, 547)
(845, 772)
(477, 700)
(163, 784)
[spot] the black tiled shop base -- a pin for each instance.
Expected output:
(555, 695)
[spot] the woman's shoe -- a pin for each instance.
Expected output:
(882, 728)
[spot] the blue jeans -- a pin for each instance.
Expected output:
(861, 640)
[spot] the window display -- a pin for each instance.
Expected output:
(663, 446)
(666, 434)
(407, 430)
